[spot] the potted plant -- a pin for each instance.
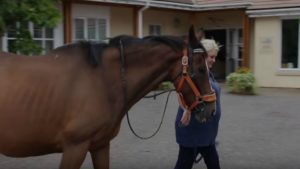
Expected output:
(242, 81)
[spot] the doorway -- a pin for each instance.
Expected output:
(219, 68)
(230, 55)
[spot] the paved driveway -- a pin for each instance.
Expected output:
(256, 132)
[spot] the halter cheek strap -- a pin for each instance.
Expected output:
(186, 79)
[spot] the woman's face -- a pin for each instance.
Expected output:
(211, 58)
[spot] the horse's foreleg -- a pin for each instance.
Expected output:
(100, 157)
(74, 155)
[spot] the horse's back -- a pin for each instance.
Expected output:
(44, 99)
(32, 102)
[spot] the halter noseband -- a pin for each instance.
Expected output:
(185, 77)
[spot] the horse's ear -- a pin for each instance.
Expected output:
(192, 37)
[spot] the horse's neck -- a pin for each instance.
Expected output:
(146, 70)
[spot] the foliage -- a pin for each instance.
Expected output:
(24, 44)
(242, 82)
(43, 13)
(165, 86)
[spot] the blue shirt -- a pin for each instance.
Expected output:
(197, 134)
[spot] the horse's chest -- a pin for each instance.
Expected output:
(104, 136)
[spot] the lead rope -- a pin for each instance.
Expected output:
(123, 73)
(159, 126)
(124, 85)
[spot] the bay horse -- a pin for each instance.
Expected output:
(73, 99)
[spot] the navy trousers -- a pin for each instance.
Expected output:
(187, 155)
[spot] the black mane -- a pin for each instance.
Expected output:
(95, 49)
(176, 43)
(125, 40)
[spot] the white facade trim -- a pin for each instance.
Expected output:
(180, 6)
(274, 12)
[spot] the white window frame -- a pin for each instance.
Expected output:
(85, 25)
(281, 47)
(155, 25)
(90, 11)
(5, 38)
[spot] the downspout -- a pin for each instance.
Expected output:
(140, 19)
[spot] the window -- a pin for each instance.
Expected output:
(154, 30)
(11, 34)
(44, 37)
(290, 57)
(90, 29)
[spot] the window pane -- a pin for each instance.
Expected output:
(49, 32)
(11, 46)
(290, 36)
(154, 30)
(49, 45)
(92, 29)
(158, 30)
(11, 30)
(79, 29)
(24, 25)
(102, 29)
(37, 32)
(39, 43)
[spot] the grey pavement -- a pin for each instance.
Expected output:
(256, 132)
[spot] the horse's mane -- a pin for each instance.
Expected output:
(126, 40)
(95, 49)
(176, 43)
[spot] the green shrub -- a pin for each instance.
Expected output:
(165, 86)
(242, 82)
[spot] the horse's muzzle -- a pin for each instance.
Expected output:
(204, 111)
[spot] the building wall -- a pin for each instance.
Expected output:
(172, 22)
(219, 19)
(267, 55)
(122, 21)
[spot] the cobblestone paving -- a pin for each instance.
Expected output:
(256, 132)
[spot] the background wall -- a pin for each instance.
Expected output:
(122, 21)
(267, 55)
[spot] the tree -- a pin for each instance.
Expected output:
(44, 13)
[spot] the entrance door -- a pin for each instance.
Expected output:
(234, 58)
(230, 55)
(219, 68)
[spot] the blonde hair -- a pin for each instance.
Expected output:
(210, 44)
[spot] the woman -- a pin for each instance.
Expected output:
(195, 137)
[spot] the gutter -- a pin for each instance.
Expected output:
(140, 19)
(180, 6)
(273, 12)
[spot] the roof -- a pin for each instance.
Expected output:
(255, 4)
(271, 4)
(188, 5)
(202, 5)
(178, 1)
(268, 8)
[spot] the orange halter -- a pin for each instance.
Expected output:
(185, 77)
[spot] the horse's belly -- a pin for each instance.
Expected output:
(28, 136)
(24, 148)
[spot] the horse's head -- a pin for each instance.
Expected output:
(193, 86)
